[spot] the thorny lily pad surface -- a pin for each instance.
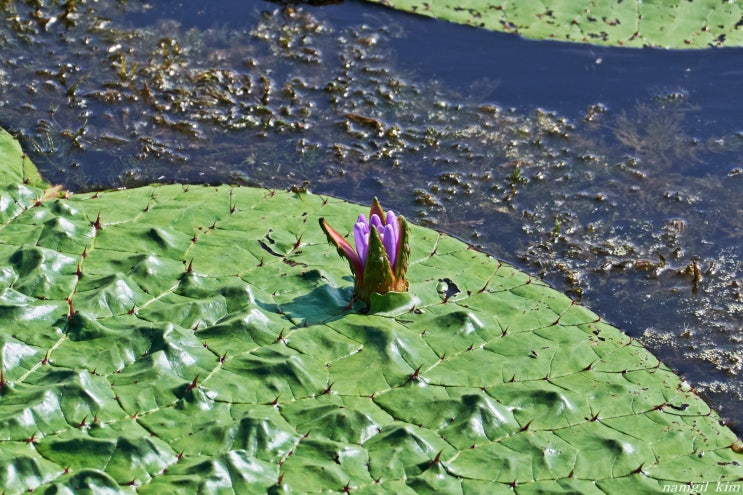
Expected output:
(660, 23)
(175, 339)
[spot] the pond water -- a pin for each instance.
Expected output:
(614, 174)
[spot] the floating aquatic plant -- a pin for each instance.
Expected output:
(669, 24)
(380, 260)
(183, 339)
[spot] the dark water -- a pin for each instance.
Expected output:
(616, 174)
(565, 77)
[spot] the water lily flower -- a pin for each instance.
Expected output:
(380, 260)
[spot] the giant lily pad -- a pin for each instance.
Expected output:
(193, 339)
(658, 23)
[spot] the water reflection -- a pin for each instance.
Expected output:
(615, 174)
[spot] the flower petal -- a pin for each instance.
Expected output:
(376, 221)
(388, 239)
(361, 239)
(362, 219)
(392, 222)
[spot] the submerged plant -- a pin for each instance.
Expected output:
(380, 260)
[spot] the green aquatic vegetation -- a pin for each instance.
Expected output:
(663, 24)
(183, 338)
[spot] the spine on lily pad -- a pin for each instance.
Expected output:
(379, 261)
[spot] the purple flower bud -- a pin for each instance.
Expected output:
(389, 233)
(376, 275)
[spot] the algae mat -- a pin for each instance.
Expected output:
(175, 339)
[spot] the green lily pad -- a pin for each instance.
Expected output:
(174, 339)
(665, 24)
(17, 167)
